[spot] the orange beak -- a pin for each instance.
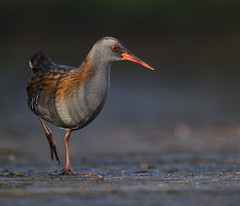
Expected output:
(132, 58)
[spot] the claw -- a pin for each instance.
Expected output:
(65, 171)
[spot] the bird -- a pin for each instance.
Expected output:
(69, 97)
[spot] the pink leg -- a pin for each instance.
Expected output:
(66, 142)
(66, 170)
(51, 142)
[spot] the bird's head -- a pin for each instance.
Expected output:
(109, 49)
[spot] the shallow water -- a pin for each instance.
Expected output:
(142, 179)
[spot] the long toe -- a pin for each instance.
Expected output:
(64, 171)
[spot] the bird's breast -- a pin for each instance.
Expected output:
(79, 105)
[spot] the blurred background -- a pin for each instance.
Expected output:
(190, 103)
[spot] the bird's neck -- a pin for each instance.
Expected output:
(93, 67)
(97, 59)
(92, 73)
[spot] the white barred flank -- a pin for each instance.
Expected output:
(34, 101)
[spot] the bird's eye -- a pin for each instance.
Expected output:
(114, 48)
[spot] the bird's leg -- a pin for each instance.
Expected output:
(67, 170)
(51, 142)
(66, 142)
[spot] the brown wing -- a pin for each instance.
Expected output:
(46, 77)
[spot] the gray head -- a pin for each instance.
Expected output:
(108, 50)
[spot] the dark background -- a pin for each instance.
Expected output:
(169, 136)
(194, 47)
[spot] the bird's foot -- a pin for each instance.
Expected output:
(64, 171)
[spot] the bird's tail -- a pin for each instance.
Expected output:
(39, 60)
